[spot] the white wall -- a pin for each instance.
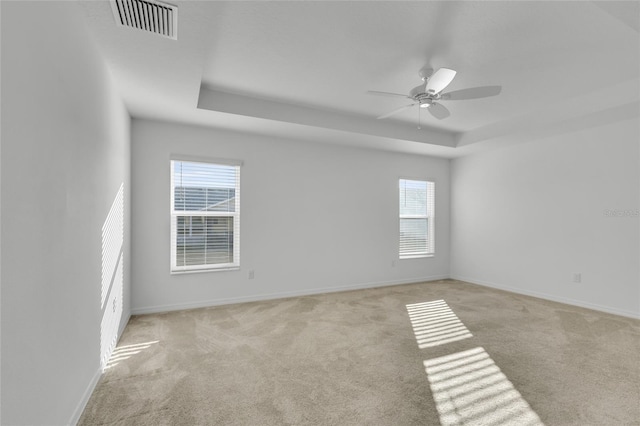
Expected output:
(65, 153)
(314, 218)
(527, 217)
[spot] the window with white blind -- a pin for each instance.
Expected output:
(205, 216)
(416, 218)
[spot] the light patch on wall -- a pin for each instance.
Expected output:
(112, 277)
(434, 324)
(470, 389)
(112, 240)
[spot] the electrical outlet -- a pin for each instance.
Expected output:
(251, 274)
(577, 277)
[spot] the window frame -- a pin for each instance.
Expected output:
(429, 216)
(174, 214)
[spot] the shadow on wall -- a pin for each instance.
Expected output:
(112, 277)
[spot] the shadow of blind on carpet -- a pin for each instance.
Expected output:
(434, 324)
(467, 386)
(470, 389)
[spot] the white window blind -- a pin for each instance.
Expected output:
(205, 216)
(416, 218)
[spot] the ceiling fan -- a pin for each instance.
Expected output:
(429, 93)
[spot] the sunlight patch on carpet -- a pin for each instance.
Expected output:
(127, 351)
(470, 389)
(434, 323)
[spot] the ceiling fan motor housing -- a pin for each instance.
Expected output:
(426, 99)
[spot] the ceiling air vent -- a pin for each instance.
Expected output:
(147, 15)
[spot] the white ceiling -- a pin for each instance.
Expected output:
(302, 69)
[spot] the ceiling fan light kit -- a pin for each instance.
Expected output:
(427, 94)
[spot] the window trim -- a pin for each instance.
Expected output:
(201, 159)
(173, 215)
(430, 217)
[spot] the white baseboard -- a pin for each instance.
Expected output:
(85, 397)
(551, 297)
(277, 295)
(75, 417)
(123, 325)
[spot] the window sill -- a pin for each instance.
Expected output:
(417, 256)
(200, 271)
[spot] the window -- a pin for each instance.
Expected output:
(416, 218)
(205, 216)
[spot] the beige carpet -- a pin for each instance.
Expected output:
(437, 353)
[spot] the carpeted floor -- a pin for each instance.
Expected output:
(436, 353)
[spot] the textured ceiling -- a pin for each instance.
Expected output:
(302, 69)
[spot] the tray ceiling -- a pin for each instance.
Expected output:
(302, 69)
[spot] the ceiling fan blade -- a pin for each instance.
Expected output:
(473, 93)
(439, 80)
(375, 92)
(439, 111)
(395, 111)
